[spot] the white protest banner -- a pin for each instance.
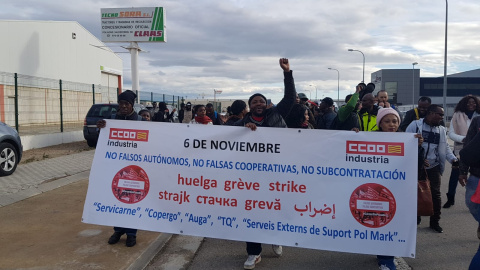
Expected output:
(320, 189)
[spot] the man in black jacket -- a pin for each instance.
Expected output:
(216, 120)
(260, 116)
(125, 112)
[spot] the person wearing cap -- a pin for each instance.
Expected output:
(327, 114)
(302, 98)
(188, 114)
(125, 112)
(260, 116)
(388, 120)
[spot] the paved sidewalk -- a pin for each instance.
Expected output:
(35, 173)
(41, 207)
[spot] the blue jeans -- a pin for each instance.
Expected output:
(472, 183)
(475, 263)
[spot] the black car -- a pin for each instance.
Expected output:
(96, 112)
(11, 149)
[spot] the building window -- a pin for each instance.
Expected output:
(392, 90)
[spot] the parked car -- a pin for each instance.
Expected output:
(11, 149)
(97, 112)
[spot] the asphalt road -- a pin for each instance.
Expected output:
(452, 249)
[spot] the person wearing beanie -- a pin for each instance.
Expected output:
(388, 120)
(128, 96)
(393, 119)
(260, 116)
(125, 112)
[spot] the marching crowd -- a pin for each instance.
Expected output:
(363, 111)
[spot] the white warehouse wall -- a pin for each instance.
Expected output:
(47, 49)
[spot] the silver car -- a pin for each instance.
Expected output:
(11, 149)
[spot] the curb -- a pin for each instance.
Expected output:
(150, 252)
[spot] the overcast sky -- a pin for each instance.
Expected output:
(234, 45)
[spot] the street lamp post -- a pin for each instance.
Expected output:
(316, 94)
(310, 93)
(338, 83)
(413, 89)
(445, 64)
(352, 50)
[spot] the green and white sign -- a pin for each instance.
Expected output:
(143, 24)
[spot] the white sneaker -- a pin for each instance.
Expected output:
(277, 250)
(251, 261)
(383, 267)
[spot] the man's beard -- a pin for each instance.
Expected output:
(254, 113)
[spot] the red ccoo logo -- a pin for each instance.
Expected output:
(129, 134)
(375, 148)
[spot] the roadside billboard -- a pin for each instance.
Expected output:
(142, 24)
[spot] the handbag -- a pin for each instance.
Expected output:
(424, 202)
(476, 196)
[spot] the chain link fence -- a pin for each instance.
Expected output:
(36, 105)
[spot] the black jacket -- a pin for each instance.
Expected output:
(409, 117)
(181, 114)
(215, 120)
(161, 116)
(274, 116)
(133, 116)
(232, 120)
(471, 150)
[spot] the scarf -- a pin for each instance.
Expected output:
(459, 121)
(203, 120)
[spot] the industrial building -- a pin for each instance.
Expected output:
(405, 86)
